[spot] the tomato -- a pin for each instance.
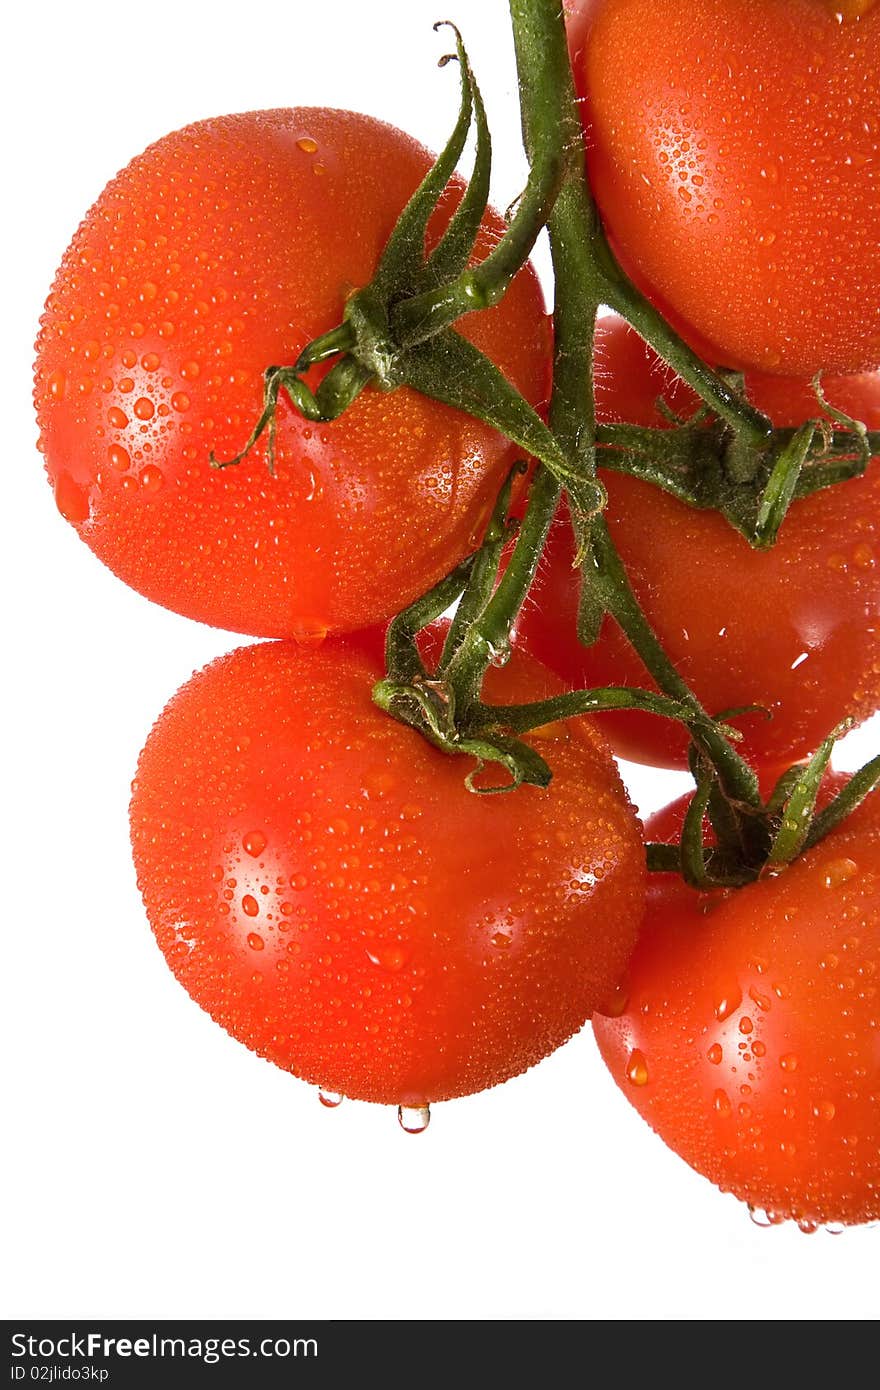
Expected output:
(795, 629)
(748, 1031)
(220, 251)
(323, 884)
(734, 150)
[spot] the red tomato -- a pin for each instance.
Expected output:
(734, 149)
(748, 1031)
(220, 251)
(323, 884)
(795, 629)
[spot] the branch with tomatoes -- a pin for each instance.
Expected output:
(362, 439)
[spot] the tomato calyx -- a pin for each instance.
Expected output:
(441, 697)
(396, 331)
(706, 464)
(725, 844)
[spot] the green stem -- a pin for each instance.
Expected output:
(488, 636)
(551, 135)
(859, 786)
(483, 574)
(737, 777)
(581, 277)
(520, 719)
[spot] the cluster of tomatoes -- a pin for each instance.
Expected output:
(319, 877)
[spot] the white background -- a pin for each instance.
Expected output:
(153, 1167)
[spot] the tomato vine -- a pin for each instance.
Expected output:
(398, 330)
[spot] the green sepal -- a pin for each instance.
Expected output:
(521, 761)
(450, 369)
(402, 263)
(693, 867)
(798, 807)
(401, 653)
(456, 246)
(858, 788)
(484, 571)
(780, 489)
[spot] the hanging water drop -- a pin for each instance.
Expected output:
(761, 1218)
(330, 1098)
(414, 1119)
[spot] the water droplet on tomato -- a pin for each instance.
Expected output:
(249, 905)
(721, 1104)
(727, 999)
(118, 418)
(57, 384)
(839, 871)
(151, 478)
(307, 145)
(309, 634)
(617, 1003)
(788, 1061)
(864, 557)
(715, 1054)
(549, 731)
(254, 843)
(71, 500)
(637, 1068)
(330, 1098)
(413, 1119)
(120, 459)
(255, 941)
(392, 957)
(144, 408)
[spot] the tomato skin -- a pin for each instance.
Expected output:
(222, 250)
(735, 157)
(323, 884)
(748, 1030)
(736, 622)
